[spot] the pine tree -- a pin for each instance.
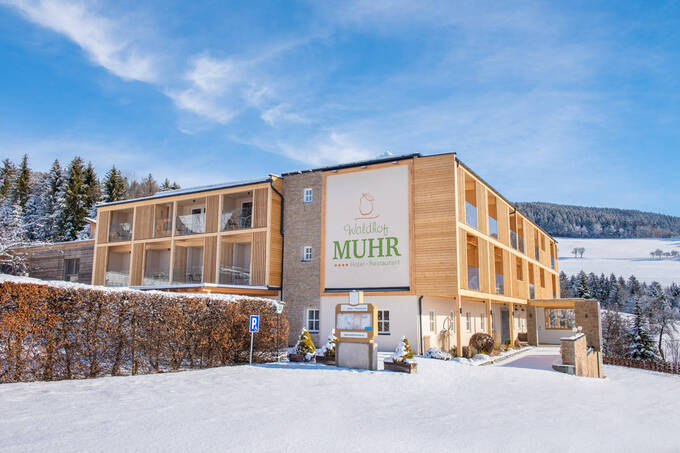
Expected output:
(641, 345)
(12, 237)
(582, 289)
(115, 186)
(168, 186)
(35, 214)
(22, 183)
(52, 200)
(73, 207)
(91, 189)
(7, 173)
(634, 286)
(403, 351)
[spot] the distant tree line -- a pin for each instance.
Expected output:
(650, 334)
(38, 207)
(585, 222)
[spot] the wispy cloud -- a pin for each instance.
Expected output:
(109, 43)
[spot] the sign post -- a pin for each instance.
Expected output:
(356, 326)
(254, 327)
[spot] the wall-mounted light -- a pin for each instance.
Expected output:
(461, 310)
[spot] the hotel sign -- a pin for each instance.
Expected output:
(367, 229)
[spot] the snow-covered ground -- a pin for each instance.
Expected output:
(447, 406)
(623, 257)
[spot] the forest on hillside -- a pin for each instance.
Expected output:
(586, 222)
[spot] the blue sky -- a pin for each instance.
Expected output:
(567, 102)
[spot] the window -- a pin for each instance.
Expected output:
(71, 269)
(518, 262)
(307, 195)
(542, 278)
(383, 322)
(470, 201)
(559, 318)
(468, 322)
(482, 321)
(313, 320)
(433, 321)
(307, 253)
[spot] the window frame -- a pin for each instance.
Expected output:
(77, 268)
(307, 191)
(468, 322)
(313, 320)
(382, 321)
(305, 257)
(561, 316)
(433, 321)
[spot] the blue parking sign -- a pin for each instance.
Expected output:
(254, 323)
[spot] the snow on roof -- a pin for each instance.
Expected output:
(124, 289)
(190, 190)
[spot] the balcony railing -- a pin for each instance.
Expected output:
(513, 239)
(156, 278)
(120, 232)
(552, 262)
(500, 284)
(235, 220)
(537, 253)
(191, 224)
(473, 277)
(188, 275)
(520, 241)
(493, 227)
(163, 228)
(532, 291)
(471, 215)
(116, 278)
(234, 275)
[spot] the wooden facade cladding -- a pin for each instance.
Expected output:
(275, 248)
(212, 214)
(103, 226)
(259, 257)
(209, 259)
(100, 258)
(136, 264)
(260, 198)
(144, 220)
(434, 223)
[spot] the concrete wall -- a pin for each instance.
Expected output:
(302, 227)
(585, 361)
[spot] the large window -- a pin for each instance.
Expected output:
(493, 216)
(473, 263)
(313, 320)
(71, 269)
(559, 318)
(383, 322)
(470, 201)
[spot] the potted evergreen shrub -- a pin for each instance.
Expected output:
(304, 348)
(327, 353)
(402, 359)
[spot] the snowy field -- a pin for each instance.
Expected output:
(447, 406)
(623, 257)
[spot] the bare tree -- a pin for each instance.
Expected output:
(581, 251)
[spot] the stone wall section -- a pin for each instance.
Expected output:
(302, 227)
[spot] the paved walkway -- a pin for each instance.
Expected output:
(540, 358)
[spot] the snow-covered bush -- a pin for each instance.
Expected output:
(305, 345)
(481, 343)
(328, 350)
(63, 330)
(434, 353)
(403, 352)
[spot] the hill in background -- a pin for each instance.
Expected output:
(585, 222)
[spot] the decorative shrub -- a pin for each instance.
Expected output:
(328, 350)
(305, 345)
(403, 352)
(50, 332)
(481, 343)
(434, 353)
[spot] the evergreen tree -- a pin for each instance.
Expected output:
(115, 186)
(35, 209)
(641, 344)
(614, 332)
(52, 201)
(7, 173)
(12, 236)
(305, 345)
(634, 286)
(22, 183)
(168, 186)
(582, 289)
(73, 207)
(91, 189)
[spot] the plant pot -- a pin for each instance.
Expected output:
(294, 357)
(325, 360)
(406, 367)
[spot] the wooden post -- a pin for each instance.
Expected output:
(488, 316)
(459, 346)
(512, 324)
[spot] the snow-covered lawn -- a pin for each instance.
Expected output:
(447, 406)
(623, 257)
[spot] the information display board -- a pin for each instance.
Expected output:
(356, 323)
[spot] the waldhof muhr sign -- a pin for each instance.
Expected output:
(367, 230)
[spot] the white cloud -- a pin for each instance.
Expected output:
(107, 42)
(280, 114)
(329, 148)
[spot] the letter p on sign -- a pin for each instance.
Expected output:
(254, 323)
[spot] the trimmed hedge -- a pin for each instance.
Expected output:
(50, 332)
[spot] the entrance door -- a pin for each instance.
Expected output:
(505, 325)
